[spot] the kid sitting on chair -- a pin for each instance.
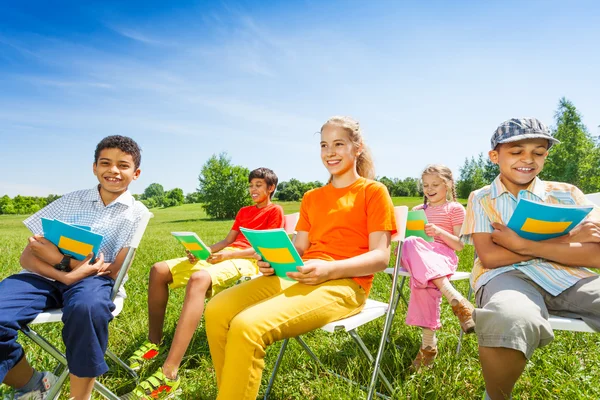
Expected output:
(430, 264)
(343, 236)
(231, 259)
(518, 281)
(81, 288)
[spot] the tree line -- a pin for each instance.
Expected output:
(222, 186)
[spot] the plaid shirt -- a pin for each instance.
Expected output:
(494, 203)
(116, 222)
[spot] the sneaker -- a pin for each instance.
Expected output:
(147, 352)
(425, 358)
(464, 311)
(40, 393)
(157, 386)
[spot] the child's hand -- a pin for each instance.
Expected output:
(44, 250)
(84, 269)
(191, 258)
(432, 230)
(263, 266)
(507, 238)
(312, 272)
(219, 257)
(586, 232)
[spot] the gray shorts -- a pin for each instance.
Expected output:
(514, 311)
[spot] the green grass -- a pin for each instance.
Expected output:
(566, 369)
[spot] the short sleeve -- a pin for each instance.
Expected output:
(275, 218)
(476, 220)
(380, 210)
(51, 211)
(236, 222)
(303, 222)
(457, 214)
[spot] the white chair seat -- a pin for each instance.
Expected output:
(457, 276)
(372, 310)
(569, 324)
(55, 315)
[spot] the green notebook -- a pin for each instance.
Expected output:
(275, 247)
(415, 225)
(192, 242)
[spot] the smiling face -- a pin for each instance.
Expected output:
(115, 170)
(435, 189)
(260, 191)
(339, 154)
(520, 162)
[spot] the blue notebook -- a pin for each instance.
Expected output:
(75, 240)
(540, 221)
(275, 247)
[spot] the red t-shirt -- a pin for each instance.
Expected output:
(252, 217)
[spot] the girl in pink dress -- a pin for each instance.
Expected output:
(430, 264)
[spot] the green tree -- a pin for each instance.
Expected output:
(223, 187)
(193, 197)
(174, 197)
(153, 190)
(575, 159)
(471, 176)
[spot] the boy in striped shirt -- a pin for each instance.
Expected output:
(518, 281)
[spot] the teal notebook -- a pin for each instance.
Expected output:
(540, 221)
(275, 247)
(415, 225)
(75, 240)
(193, 244)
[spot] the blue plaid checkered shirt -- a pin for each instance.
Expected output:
(116, 222)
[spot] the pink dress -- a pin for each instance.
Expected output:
(426, 261)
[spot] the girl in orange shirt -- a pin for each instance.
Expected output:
(343, 236)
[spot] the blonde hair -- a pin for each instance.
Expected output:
(445, 174)
(364, 162)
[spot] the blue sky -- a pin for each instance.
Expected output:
(428, 80)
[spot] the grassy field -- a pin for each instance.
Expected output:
(566, 369)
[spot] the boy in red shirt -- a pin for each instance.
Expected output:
(231, 259)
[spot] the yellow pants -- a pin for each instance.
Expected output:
(244, 319)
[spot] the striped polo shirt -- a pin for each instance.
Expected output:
(494, 203)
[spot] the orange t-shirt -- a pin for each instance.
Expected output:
(252, 217)
(339, 221)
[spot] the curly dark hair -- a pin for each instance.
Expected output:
(267, 174)
(123, 143)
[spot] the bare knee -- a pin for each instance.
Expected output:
(199, 281)
(160, 272)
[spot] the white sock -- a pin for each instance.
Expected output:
(449, 292)
(429, 339)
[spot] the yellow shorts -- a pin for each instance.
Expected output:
(222, 275)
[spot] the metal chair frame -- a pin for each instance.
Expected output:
(55, 315)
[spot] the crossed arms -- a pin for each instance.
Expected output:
(580, 248)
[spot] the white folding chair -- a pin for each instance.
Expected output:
(55, 315)
(372, 310)
(574, 324)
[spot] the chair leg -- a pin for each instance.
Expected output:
(276, 368)
(320, 363)
(122, 364)
(55, 390)
(460, 335)
(103, 390)
(369, 356)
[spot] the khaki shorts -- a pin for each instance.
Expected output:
(222, 275)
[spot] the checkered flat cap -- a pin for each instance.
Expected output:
(516, 129)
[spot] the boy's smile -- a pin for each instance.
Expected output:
(260, 192)
(520, 162)
(115, 170)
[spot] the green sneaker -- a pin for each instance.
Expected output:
(147, 352)
(157, 386)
